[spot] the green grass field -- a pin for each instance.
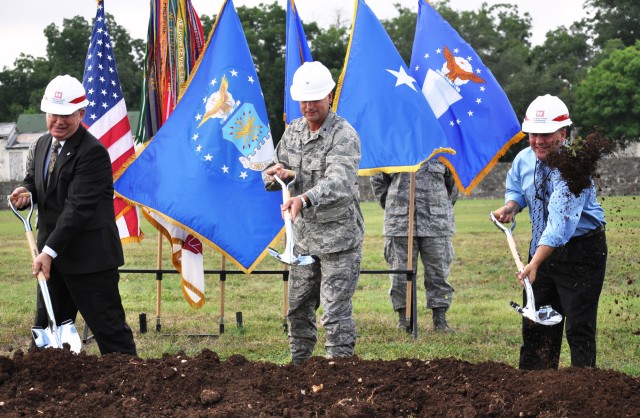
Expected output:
(482, 275)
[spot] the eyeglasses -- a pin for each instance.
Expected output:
(65, 117)
(545, 136)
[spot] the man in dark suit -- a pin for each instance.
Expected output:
(80, 249)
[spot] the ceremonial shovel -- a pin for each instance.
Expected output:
(52, 336)
(546, 315)
(287, 256)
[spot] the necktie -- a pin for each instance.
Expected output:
(52, 159)
(539, 209)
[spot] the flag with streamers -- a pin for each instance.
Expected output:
(297, 52)
(175, 41)
(106, 117)
(470, 105)
(383, 103)
(203, 169)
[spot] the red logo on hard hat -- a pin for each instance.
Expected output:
(58, 95)
(540, 113)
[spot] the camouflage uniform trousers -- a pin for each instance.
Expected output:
(436, 254)
(331, 282)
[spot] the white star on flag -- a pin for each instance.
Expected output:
(403, 78)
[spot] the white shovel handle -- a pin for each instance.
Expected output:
(286, 194)
(510, 239)
(42, 281)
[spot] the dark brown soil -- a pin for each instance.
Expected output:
(578, 161)
(56, 383)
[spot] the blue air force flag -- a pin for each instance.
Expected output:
(202, 170)
(383, 102)
(470, 105)
(297, 52)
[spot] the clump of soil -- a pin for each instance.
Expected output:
(578, 160)
(57, 383)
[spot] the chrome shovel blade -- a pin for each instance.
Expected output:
(69, 335)
(273, 252)
(56, 337)
(301, 260)
(546, 315)
(45, 338)
(287, 256)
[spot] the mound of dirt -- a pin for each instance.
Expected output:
(57, 383)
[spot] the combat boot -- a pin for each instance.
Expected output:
(440, 321)
(402, 319)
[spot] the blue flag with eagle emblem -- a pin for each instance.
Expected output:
(470, 105)
(202, 169)
(383, 102)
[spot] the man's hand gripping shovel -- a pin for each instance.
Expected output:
(546, 315)
(287, 256)
(52, 336)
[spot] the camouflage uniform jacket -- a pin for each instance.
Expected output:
(435, 195)
(326, 165)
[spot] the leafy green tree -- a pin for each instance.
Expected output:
(559, 64)
(614, 19)
(609, 96)
(67, 48)
(207, 24)
(21, 87)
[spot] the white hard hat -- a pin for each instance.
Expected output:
(312, 81)
(63, 96)
(546, 114)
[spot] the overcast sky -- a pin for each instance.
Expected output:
(23, 21)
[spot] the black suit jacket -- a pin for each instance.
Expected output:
(75, 213)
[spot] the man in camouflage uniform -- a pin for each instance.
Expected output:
(434, 226)
(324, 152)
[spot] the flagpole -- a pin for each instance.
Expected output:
(285, 295)
(222, 287)
(410, 308)
(159, 282)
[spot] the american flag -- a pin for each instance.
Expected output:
(106, 117)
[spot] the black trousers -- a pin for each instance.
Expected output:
(570, 280)
(97, 297)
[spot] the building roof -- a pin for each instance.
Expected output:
(6, 129)
(35, 122)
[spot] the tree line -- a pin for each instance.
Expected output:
(592, 64)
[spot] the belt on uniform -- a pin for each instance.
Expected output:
(589, 234)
